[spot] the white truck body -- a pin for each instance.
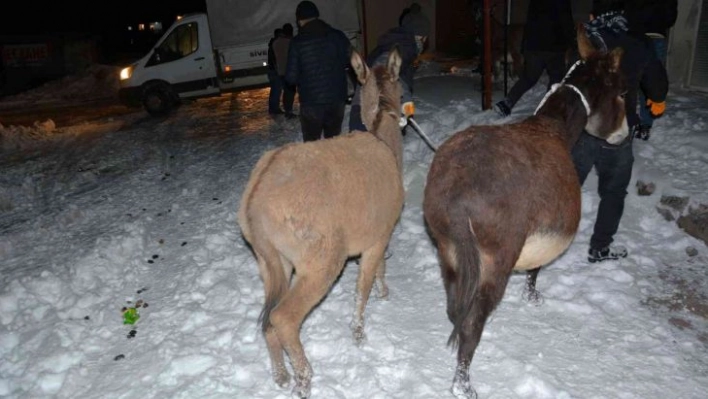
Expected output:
(226, 48)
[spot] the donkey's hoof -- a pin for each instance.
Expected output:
(533, 297)
(281, 378)
(382, 291)
(461, 385)
(302, 390)
(463, 391)
(359, 336)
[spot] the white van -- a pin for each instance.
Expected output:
(224, 49)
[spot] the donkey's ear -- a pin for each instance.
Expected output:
(394, 63)
(585, 47)
(616, 59)
(360, 67)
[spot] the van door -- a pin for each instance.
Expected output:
(185, 60)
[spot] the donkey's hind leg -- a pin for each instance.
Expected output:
(277, 360)
(372, 263)
(381, 286)
(531, 294)
(308, 289)
(486, 298)
(275, 348)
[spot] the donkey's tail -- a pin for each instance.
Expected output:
(275, 282)
(467, 261)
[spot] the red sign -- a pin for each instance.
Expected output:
(25, 54)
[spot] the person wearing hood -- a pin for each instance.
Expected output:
(607, 30)
(318, 61)
(410, 39)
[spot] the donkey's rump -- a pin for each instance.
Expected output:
(329, 184)
(498, 173)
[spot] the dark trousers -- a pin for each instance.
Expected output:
(276, 89)
(613, 165)
(535, 62)
(660, 49)
(316, 119)
(288, 95)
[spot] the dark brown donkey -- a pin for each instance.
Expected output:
(307, 207)
(507, 197)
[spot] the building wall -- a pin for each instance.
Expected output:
(682, 41)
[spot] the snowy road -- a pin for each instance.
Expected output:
(96, 216)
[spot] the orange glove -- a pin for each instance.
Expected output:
(408, 109)
(656, 109)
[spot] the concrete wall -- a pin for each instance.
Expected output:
(682, 41)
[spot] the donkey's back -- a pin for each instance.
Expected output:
(322, 194)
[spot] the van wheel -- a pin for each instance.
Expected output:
(159, 100)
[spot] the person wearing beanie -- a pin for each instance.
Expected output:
(548, 33)
(410, 39)
(318, 61)
(607, 30)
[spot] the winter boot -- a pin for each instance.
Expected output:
(607, 253)
(502, 108)
(642, 132)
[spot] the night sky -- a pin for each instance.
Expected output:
(31, 17)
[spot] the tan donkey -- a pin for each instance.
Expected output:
(308, 207)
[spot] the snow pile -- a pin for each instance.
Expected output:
(97, 82)
(18, 137)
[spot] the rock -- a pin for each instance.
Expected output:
(695, 223)
(691, 251)
(674, 202)
(667, 214)
(644, 189)
(671, 207)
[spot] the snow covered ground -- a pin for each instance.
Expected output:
(94, 218)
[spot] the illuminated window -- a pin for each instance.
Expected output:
(141, 26)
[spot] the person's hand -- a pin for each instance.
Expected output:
(656, 108)
(408, 109)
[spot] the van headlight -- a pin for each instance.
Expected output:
(126, 72)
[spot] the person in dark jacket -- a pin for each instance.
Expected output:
(280, 48)
(410, 39)
(549, 32)
(650, 19)
(276, 85)
(318, 59)
(607, 30)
